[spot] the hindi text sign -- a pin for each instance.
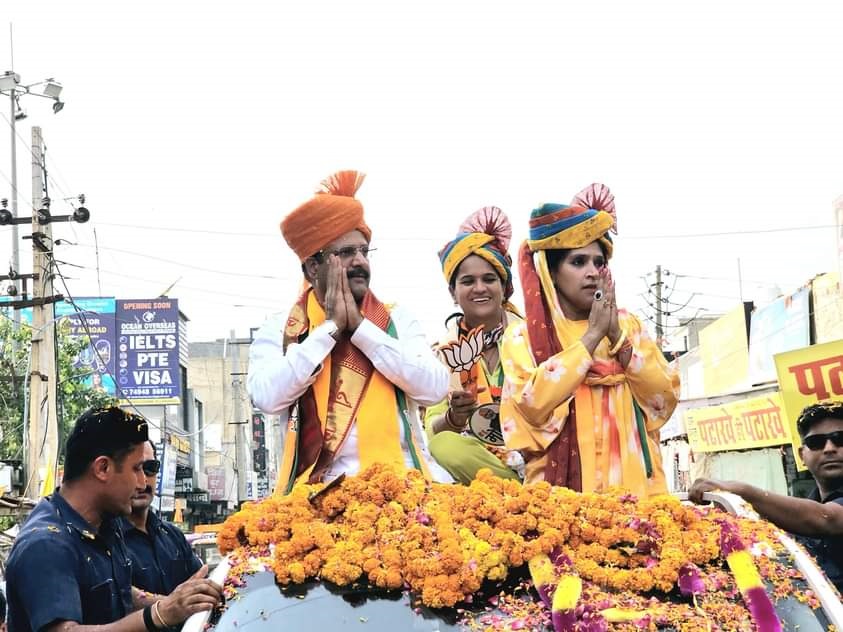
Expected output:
(808, 376)
(747, 424)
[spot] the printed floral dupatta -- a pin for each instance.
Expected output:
(574, 459)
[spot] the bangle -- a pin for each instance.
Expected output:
(451, 424)
(620, 342)
(147, 619)
(157, 612)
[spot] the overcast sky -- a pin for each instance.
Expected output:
(194, 127)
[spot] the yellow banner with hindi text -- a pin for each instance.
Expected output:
(758, 422)
(808, 376)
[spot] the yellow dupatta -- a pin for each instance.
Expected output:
(623, 457)
(346, 391)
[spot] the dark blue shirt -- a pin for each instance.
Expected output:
(161, 558)
(827, 550)
(62, 569)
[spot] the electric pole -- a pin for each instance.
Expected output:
(15, 246)
(42, 452)
(239, 423)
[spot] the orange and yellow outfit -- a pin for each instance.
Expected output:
(581, 420)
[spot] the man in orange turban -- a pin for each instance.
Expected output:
(348, 371)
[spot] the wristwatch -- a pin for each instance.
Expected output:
(333, 329)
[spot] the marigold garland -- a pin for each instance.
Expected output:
(443, 542)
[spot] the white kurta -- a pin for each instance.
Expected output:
(276, 380)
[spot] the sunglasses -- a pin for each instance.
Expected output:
(151, 467)
(818, 441)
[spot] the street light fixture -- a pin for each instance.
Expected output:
(10, 85)
(52, 88)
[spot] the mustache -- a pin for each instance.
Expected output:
(357, 273)
(147, 490)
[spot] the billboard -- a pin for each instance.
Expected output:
(148, 351)
(92, 318)
(724, 350)
(780, 326)
(758, 422)
(828, 308)
(808, 376)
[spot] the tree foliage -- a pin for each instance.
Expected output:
(74, 394)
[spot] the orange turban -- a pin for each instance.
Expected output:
(330, 214)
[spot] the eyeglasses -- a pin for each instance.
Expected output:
(151, 467)
(348, 252)
(818, 441)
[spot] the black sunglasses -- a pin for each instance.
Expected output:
(151, 467)
(818, 441)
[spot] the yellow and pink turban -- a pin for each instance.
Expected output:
(331, 213)
(485, 233)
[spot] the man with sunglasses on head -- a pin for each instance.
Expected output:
(348, 370)
(817, 520)
(69, 568)
(161, 557)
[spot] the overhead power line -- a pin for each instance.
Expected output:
(274, 235)
(183, 264)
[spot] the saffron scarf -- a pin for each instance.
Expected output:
(347, 391)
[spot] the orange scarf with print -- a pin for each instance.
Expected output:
(347, 391)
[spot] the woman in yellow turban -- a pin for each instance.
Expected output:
(478, 271)
(586, 388)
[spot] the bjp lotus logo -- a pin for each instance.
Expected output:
(462, 355)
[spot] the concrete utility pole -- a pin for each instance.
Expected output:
(659, 324)
(43, 427)
(15, 247)
(239, 423)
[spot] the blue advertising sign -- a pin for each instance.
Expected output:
(148, 351)
(783, 325)
(92, 318)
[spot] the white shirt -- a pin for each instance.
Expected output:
(276, 380)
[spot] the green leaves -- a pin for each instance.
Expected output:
(74, 393)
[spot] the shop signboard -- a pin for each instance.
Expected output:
(216, 483)
(148, 351)
(808, 376)
(758, 422)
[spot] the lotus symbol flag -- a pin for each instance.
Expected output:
(463, 354)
